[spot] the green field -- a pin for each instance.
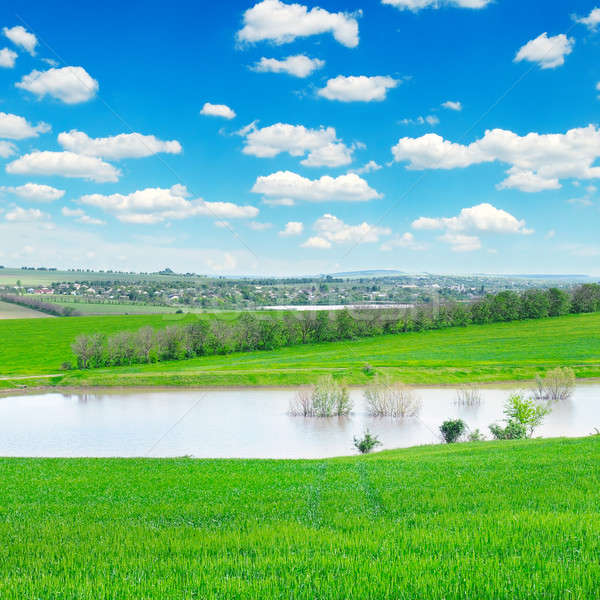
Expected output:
(104, 308)
(8, 310)
(492, 520)
(496, 352)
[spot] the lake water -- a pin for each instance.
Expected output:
(249, 423)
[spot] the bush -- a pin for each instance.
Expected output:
(476, 436)
(452, 430)
(326, 399)
(388, 398)
(66, 366)
(558, 384)
(368, 370)
(365, 444)
(523, 416)
(468, 395)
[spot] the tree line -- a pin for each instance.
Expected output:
(45, 307)
(267, 331)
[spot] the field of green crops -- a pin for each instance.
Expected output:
(495, 352)
(493, 520)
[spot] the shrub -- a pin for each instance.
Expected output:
(558, 384)
(66, 366)
(452, 430)
(468, 395)
(388, 398)
(326, 399)
(368, 370)
(523, 416)
(365, 444)
(476, 436)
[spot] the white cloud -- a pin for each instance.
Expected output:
(317, 242)
(406, 240)
(289, 185)
(7, 149)
(7, 58)
(481, 218)
(358, 88)
(256, 226)
(416, 5)
(537, 161)
(332, 230)
(451, 105)
(14, 127)
(80, 216)
(71, 85)
(19, 36)
(322, 145)
(36, 192)
(460, 242)
(124, 145)
(591, 21)
(292, 228)
(217, 110)
(155, 205)
(298, 65)
(547, 52)
(25, 215)
(370, 166)
(282, 23)
(428, 120)
(64, 164)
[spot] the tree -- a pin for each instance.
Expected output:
(559, 302)
(82, 348)
(534, 304)
(481, 311)
(522, 414)
(586, 298)
(344, 325)
(452, 430)
(505, 306)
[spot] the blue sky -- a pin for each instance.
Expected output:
(443, 136)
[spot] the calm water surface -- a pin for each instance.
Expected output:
(250, 423)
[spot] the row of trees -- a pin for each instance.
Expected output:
(45, 307)
(266, 331)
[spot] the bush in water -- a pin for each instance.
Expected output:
(468, 395)
(523, 416)
(558, 384)
(388, 398)
(326, 398)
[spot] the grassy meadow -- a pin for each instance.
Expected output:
(8, 310)
(495, 352)
(480, 520)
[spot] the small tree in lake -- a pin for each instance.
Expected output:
(523, 416)
(452, 430)
(365, 444)
(388, 398)
(558, 384)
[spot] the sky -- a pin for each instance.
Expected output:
(280, 138)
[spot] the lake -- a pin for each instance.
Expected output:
(242, 423)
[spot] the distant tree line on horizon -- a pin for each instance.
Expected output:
(267, 331)
(41, 306)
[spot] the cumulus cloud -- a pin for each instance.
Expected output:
(481, 218)
(71, 85)
(591, 21)
(537, 161)
(416, 5)
(323, 147)
(124, 145)
(358, 88)
(368, 168)
(217, 110)
(451, 105)
(81, 216)
(7, 58)
(281, 23)
(288, 185)
(406, 240)
(547, 52)
(25, 215)
(19, 36)
(459, 242)
(332, 230)
(292, 228)
(155, 205)
(64, 164)
(7, 149)
(298, 65)
(36, 192)
(14, 127)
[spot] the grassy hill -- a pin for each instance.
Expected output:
(495, 352)
(499, 520)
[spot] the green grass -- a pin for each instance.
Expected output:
(479, 521)
(8, 310)
(497, 352)
(102, 308)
